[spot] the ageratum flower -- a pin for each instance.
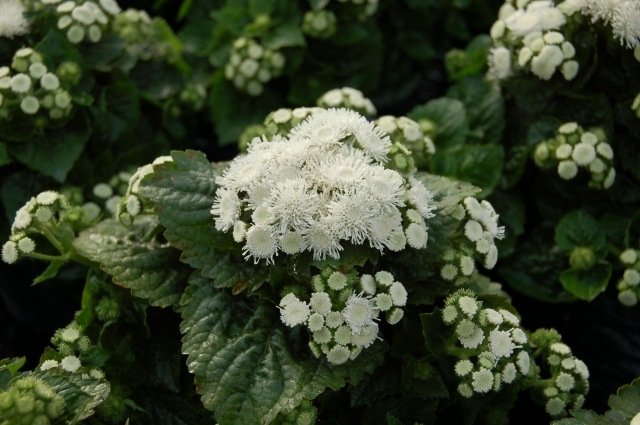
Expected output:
(12, 20)
(324, 185)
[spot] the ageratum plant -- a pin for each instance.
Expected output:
(301, 270)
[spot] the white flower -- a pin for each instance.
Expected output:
(322, 242)
(604, 149)
(555, 407)
(509, 373)
(632, 277)
(421, 198)
(293, 312)
(629, 256)
(384, 302)
(560, 348)
(567, 169)
(583, 154)
(417, 236)
(468, 305)
(565, 381)
(338, 355)
(12, 20)
(50, 82)
(499, 63)
(398, 294)
(539, 16)
(509, 317)
(110, 6)
(524, 362)
(70, 334)
(545, 63)
(473, 340)
(493, 317)
(610, 179)
(394, 316)
(133, 205)
(635, 420)
(368, 284)
(449, 314)
(337, 281)
(20, 83)
(463, 367)
(70, 363)
(320, 303)
(37, 70)
(500, 343)
(26, 245)
(30, 105)
(292, 243)
(359, 311)
(448, 272)
(316, 322)
(482, 381)
(368, 334)
(467, 266)
(226, 209)
(260, 243)
(384, 278)
(9, 252)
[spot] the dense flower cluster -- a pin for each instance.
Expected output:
(476, 242)
(528, 36)
(623, 16)
(407, 132)
(129, 204)
(629, 283)
(324, 185)
(349, 98)
(12, 19)
(251, 65)
(30, 87)
(492, 341)
(84, 20)
(574, 148)
(30, 401)
(342, 312)
(568, 380)
(319, 23)
(35, 216)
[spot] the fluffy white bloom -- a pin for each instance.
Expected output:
(359, 311)
(293, 312)
(70, 363)
(539, 16)
(499, 63)
(482, 381)
(9, 252)
(49, 364)
(626, 23)
(320, 303)
(12, 20)
(629, 256)
(261, 244)
(500, 343)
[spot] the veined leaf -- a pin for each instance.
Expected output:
(243, 367)
(183, 192)
(136, 259)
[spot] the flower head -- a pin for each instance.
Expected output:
(12, 19)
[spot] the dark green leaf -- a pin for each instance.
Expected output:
(50, 272)
(9, 368)
(286, 35)
(183, 192)
(480, 165)
(242, 364)
(55, 154)
(586, 284)
(579, 229)
(4, 155)
(450, 118)
(135, 259)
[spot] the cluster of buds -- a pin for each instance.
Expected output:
(32, 88)
(568, 381)
(477, 242)
(319, 23)
(342, 312)
(70, 340)
(573, 148)
(490, 343)
(84, 20)
(143, 39)
(38, 216)
(193, 95)
(30, 401)
(527, 37)
(349, 98)
(281, 121)
(107, 195)
(130, 204)
(251, 65)
(405, 132)
(629, 283)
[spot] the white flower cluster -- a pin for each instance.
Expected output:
(623, 16)
(573, 148)
(129, 204)
(319, 23)
(12, 19)
(527, 35)
(569, 381)
(347, 97)
(322, 186)
(33, 217)
(342, 322)
(629, 283)
(84, 20)
(495, 343)
(479, 231)
(70, 341)
(32, 86)
(251, 65)
(407, 132)
(141, 35)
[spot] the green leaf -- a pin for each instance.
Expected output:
(50, 272)
(450, 118)
(136, 259)
(243, 367)
(4, 155)
(579, 229)
(484, 106)
(81, 393)
(55, 154)
(9, 368)
(480, 165)
(470, 61)
(586, 284)
(447, 192)
(286, 35)
(183, 192)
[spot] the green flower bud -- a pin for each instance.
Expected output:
(582, 258)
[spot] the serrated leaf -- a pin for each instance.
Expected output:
(242, 364)
(586, 284)
(81, 393)
(183, 192)
(135, 259)
(449, 116)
